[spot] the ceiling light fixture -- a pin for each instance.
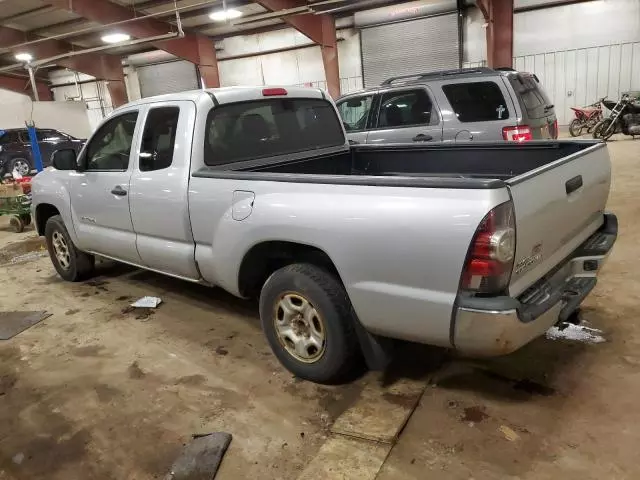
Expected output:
(24, 57)
(223, 15)
(116, 38)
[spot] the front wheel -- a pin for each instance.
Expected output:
(19, 165)
(604, 130)
(307, 318)
(575, 128)
(71, 264)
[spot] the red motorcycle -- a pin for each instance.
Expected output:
(586, 117)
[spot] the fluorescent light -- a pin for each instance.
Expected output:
(116, 38)
(24, 57)
(222, 15)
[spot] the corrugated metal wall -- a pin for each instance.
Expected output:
(581, 76)
(404, 48)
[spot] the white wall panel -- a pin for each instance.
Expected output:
(580, 77)
(580, 25)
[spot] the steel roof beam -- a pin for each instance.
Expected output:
(196, 48)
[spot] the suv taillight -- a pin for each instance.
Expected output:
(554, 135)
(521, 133)
(487, 269)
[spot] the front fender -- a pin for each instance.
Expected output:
(51, 187)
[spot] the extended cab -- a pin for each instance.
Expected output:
(476, 247)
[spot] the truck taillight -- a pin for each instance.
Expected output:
(555, 129)
(488, 266)
(521, 133)
(273, 92)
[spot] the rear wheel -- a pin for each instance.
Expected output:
(16, 223)
(71, 264)
(309, 323)
(575, 128)
(602, 130)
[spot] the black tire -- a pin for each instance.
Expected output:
(80, 265)
(26, 219)
(16, 223)
(23, 165)
(575, 128)
(601, 127)
(325, 294)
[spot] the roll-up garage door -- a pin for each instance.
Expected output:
(404, 48)
(168, 77)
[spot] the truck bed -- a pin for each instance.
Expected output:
(483, 161)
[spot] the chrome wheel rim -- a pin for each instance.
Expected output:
(21, 167)
(61, 250)
(299, 327)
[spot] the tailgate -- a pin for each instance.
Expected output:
(557, 207)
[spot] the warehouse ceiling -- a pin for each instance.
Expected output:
(34, 20)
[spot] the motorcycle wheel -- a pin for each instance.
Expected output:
(575, 128)
(601, 127)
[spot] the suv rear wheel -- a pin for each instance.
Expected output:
(308, 321)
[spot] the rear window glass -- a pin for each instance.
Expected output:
(477, 101)
(265, 128)
(529, 90)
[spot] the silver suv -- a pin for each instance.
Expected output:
(450, 106)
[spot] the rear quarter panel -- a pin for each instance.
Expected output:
(399, 251)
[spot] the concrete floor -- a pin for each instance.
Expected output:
(93, 392)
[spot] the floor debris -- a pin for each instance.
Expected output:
(578, 333)
(12, 323)
(147, 302)
(509, 433)
(201, 458)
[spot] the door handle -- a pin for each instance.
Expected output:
(421, 137)
(574, 184)
(353, 142)
(119, 191)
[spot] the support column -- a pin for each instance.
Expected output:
(499, 16)
(208, 64)
(329, 49)
(104, 67)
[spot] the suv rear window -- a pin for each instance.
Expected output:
(528, 88)
(476, 101)
(271, 127)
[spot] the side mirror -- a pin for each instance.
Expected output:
(64, 159)
(354, 103)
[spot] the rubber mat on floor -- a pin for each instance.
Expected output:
(12, 323)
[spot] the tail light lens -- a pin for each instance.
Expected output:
(555, 129)
(521, 133)
(488, 266)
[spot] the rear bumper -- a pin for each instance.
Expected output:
(497, 326)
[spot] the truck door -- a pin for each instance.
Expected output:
(159, 189)
(100, 193)
(406, 115)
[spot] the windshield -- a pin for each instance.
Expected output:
(270, 127)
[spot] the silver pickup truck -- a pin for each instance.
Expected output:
(475, 247)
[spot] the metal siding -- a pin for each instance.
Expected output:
(403, 48)
(579, 77)
(169, 77)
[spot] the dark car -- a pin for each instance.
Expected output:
(15, 148)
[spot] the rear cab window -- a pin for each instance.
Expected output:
(265, 128)
(477, 101)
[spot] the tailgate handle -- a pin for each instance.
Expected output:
(574, 184)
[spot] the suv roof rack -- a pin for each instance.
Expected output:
(442, 73)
